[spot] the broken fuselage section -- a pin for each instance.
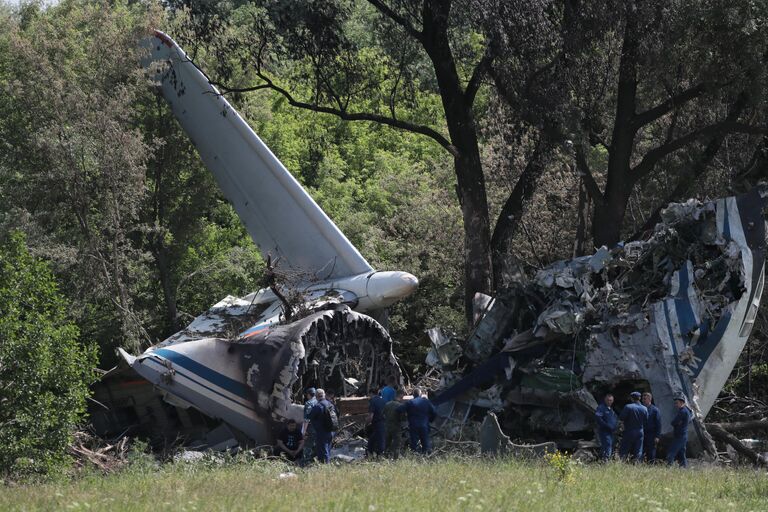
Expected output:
(246, 361)
(255, 383)
(668, 314)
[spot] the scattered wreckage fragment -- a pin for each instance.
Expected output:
(668, 314)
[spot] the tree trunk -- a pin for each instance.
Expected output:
(722, 435)
(463, 134)
(608, 218)
(161, 260)
(505, 267)
(609, 212)
(581, 228)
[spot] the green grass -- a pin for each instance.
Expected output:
(409, 484)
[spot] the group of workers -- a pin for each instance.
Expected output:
(385, 413)
(313, 437)
(642, 429)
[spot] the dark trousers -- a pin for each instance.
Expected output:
(631, 445)
(377, 438)
(309, 445)
(649, 449)
(677, 451)
(419, 434)
(323, 446)
(279, 451)
(606, 444)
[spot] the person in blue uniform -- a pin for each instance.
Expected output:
(378, 425)
(388, 391)
(607, 421)
(634, 415)
(679, 433)
(323, 436)
(306, 428)
(420, 413)
(651, 429)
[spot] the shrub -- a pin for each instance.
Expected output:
(44, 369)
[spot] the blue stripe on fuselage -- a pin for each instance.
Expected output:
(220, 380)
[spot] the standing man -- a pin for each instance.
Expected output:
(651, 429)
(680, 433)
(634, 415)
(319, 418)
(392, 421)
(376, 419)
(607, 421)
(306, 428)
(388, 391)
(421, 413)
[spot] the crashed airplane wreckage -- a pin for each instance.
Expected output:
(668, 314)
(246, 361)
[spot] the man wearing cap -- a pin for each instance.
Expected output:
(607, 421)
(634, 415)
(306, 428)
(651, 429)
(680, 433)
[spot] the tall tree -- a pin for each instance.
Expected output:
(377, 62)
(643, 88)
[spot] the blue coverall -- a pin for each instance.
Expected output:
(651, 431)
(323, 437)
(607, 421)
(421, 413)
(387, 393)
(378, 428)
(680, 437)
(634, 416)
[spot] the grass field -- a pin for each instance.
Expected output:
(409, 484)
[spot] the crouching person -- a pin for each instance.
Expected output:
(290, 443)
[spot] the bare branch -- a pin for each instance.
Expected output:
(343, 114)
(651, 158)
(391, 14)
(478, 73)
(582, 167)
(664, 108)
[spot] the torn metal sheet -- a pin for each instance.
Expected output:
(256, 383)
(668, 314)
(446, 349)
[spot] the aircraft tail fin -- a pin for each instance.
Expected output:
(283, 220)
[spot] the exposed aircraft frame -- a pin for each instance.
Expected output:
(240, 362)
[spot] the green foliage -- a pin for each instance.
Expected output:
(739, 384)
(390, 193)
(45, 370)
(562, 465)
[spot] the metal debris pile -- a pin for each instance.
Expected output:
(337, 349)
(545, 351)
